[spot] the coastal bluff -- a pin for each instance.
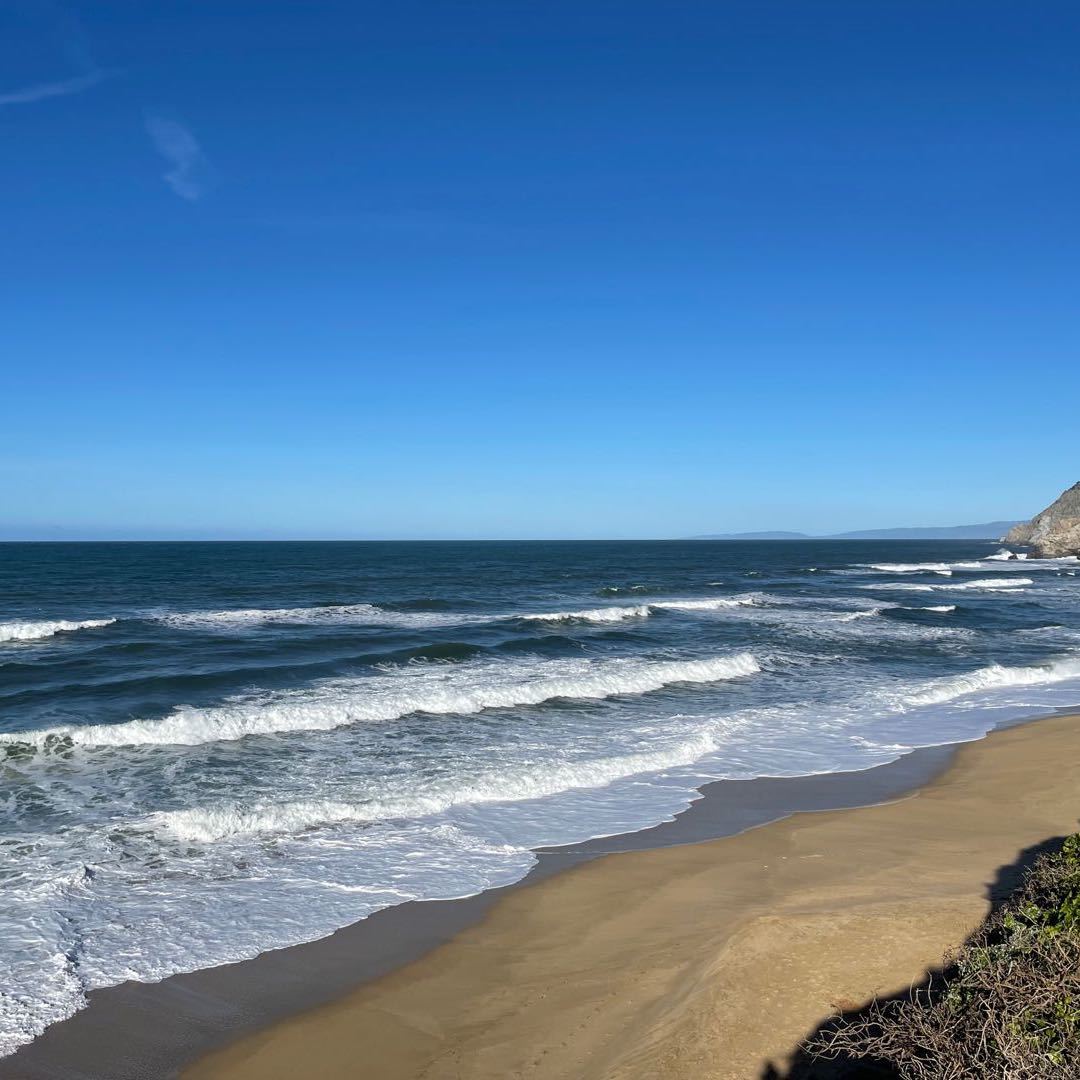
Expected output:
(1054, 532)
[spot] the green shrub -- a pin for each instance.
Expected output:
(1007, 1004)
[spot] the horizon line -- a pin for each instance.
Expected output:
(513, 540)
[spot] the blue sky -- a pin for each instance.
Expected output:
(535, 269)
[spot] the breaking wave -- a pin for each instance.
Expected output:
(869, 613)
(216, 823)
(641, 611)
(715, 604)
(991, 584)
(982, 584)
(330, 614)
(373, 615)
(596, 615)
(31, 630)
(210, 824)
(909, 568)
(993, 677)
(392, 695)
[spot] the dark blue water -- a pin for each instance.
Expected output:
(210, 750)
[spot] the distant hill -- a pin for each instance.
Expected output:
(991, 530)
(780, 535)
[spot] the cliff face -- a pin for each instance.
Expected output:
(1054, 532)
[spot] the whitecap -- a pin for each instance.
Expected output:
(329, 614)
(909, 568)
(209, 824)
(641, 611)
(593, 615)
(993, 676)
(1007, 584)
(430, 688)
(38, 630)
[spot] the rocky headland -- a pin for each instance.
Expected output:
(1056, 531)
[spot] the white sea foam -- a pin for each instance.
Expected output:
(372, 615)
(34, 630)
(326, 615)
(944, 609)
(1005, 584)
(209, 824)
(909, 568)
(713, 604)
(1023, 562)
(595, 615)
(1033, 563)
(899, 586)
(997, 563)
(991, 584)
(993, 676)
(641, 611)
(434, 688)
(869, 613)
(254, 616)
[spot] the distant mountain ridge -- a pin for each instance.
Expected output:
(990, 530)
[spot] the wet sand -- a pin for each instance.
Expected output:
(705, 959)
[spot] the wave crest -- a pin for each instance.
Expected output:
(909, 568)
(325, 615)
(421, 689)
(1007, 584)
(206, 825)
(38, 630)
(593, 615)
(994, 676)
(641, 611)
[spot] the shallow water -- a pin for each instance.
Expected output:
(210, 750)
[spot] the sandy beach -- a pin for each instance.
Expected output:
(712, 958)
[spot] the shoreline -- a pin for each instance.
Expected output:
(711, 959)
(205, 1022)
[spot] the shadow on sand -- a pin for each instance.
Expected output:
(802, 1065)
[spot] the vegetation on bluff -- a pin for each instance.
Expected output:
(1007, 1004)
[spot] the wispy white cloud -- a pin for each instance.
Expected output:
(190, 175)
(27, 95)
(62, 25)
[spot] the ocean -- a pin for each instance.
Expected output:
(210, 750)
